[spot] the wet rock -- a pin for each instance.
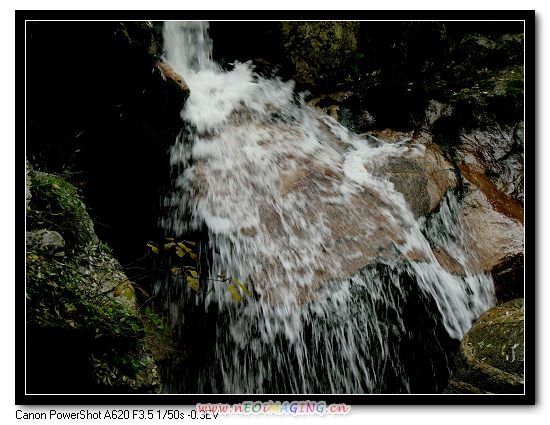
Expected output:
(497, 152)
(493, 231)
(490, 145)
(498, 199)
(424, 179)
(440, 173)
(490, 359)
(409, 179)
(508, 278)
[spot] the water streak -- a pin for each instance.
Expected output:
(299, 210)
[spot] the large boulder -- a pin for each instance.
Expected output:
(422, 180)
(309, 193)
(490, 359)
(491, 162)
(491, 235)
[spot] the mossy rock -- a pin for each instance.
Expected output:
(490, 359)
(57, 205)
(320, 51)
(77, 293)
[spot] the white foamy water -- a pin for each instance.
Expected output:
(296, 208)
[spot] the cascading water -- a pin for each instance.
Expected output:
(346, 294)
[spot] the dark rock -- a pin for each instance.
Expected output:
(58, 361)
(403, 51)
(508, 278)
(106, 112)
(249, 40)
(465, 69)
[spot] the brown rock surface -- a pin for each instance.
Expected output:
(169, 73)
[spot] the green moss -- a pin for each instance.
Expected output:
(54, 193)
(60, 296)
(83, 291)
(486, 85)
(507, 108)
(57, 205)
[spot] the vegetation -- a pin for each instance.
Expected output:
(59, 295)
(79, 287)
(57, 205)
(189, 272)
(76, 285)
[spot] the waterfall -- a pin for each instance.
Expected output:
(346, 294)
